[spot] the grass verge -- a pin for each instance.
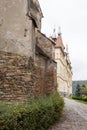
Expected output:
(79, 100)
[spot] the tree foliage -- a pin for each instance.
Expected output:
(78, 91)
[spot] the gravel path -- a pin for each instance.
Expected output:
(74, 117)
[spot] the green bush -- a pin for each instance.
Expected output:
(76, 98)
(80, 98)
(84, 99)
(38, 114)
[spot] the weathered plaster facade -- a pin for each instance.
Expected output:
(16, 28)
(27, 66)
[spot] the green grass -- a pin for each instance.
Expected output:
(81, 101)
(84, 102)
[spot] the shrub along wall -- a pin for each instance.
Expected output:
(37, 114)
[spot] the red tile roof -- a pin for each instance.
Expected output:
(59, 42)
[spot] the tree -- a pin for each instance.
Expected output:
(84, 90)
(84, 87)
(78, 91)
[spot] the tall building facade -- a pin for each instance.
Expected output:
(64, 69)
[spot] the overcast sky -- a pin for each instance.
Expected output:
(71, 16)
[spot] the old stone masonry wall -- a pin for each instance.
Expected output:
(27, 66)
(16, 77)
(20, 78)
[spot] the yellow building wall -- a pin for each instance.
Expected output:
(64, 73)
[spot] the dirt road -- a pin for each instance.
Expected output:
(74, 117)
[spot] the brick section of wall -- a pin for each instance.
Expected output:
(47, 77)
(51, 78)
(39, 82)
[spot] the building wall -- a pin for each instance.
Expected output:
(21, 77)
(47, 78)
(16, 29)
(47, 63)
(46, 44)
(35, 12)
(64, 73)
(24, 72)
(16, 77)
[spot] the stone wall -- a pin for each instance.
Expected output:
(16, 77)
(24, 71)
(35, 12)
(21, 78)
(46, 44)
